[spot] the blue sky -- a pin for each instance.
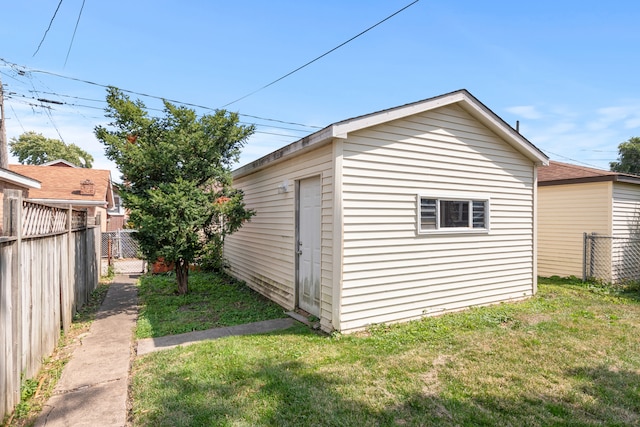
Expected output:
(566, 70)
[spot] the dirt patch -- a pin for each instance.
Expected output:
(534, 319)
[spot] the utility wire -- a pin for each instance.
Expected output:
(48, 28)
(39, 102)
(24, 69)
(74, 34)
(321, 56)
(47, 110)
(573, 160)
(16, 94)
(17, 118)
(44, 101)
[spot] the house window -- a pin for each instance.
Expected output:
(453, 214)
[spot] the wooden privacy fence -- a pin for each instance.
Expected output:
(49, 265)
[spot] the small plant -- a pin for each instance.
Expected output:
(34, 392)
(28, 389)
(108, 277)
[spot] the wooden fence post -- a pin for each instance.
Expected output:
(67, 282)
(12, 325)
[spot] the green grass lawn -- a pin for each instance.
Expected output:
(570, 356)
(213, 301)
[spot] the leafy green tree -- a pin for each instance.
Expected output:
(32, 148)
(177, 181)
(628, 157)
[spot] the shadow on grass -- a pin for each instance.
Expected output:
(266, 391)
(630, 290)
(213, 301)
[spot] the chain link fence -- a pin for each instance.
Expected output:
(611, 259)
(121, 251)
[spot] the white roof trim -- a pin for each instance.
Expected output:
(17, 179)
(342, 129)
(66, 162)
(67, 202)
(497, 125)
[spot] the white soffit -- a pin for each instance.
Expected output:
(17, 179)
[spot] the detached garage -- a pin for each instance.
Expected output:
(412, 211)
(577, 200)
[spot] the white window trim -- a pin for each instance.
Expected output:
(443, 196)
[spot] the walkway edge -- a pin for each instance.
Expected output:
(150, 345)
(93, 387)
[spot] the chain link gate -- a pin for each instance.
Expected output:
(121, 251)
(611, 259)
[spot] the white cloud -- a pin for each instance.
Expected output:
(526, 111)
(587, 136)
(562, 128)
(625, 116)
(633, 121)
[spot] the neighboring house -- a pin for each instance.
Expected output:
(61, 163)
(13, 181)
(117, 215)
(82, 188)
(416, 210)
(573, 200)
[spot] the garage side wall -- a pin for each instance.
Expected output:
(262, 252)
(393, 272)
(626, 210)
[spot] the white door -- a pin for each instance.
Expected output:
(308, 245)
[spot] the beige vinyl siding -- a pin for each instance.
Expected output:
(391, 273)
(626, 209)
(626, 223)
(262, 252)
(565, 213)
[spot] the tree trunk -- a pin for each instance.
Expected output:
(182, 275)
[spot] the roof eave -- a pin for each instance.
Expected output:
(314, 140)
(582, 180)
(492, 121)
(467, 102)
(18, 179)
(66, 202)
(627, 179)
(343, 128)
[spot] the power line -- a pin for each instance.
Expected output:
(48, 28)
(573, 160)
(321, 56)
(74, 33)
(17, 118)
(48, 108)
(22, 70)
(38, 97)
(47, 111)
(41, 102)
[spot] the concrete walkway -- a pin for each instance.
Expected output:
(93, 388)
